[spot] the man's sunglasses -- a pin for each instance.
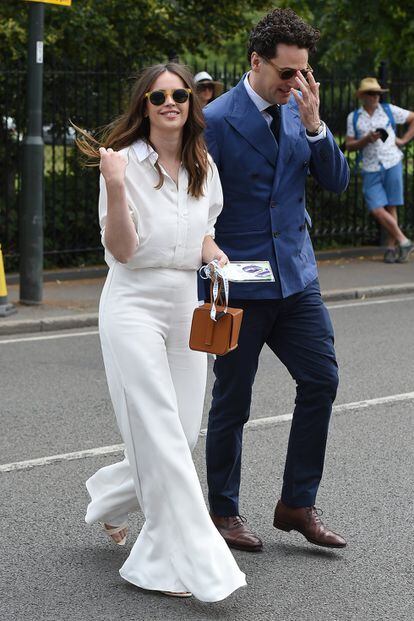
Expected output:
(157, 98)
(372, 93)
(288, 73)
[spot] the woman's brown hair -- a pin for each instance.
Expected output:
(134, 125)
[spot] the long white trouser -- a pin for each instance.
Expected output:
(157, 389)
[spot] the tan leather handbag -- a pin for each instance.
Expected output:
(217, 336)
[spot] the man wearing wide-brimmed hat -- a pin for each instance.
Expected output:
(371, 130)
(207, 88)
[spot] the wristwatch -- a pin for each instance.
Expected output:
(318, 131)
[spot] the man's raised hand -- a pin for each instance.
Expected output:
(308, 103)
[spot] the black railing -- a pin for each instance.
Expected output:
(91, 98)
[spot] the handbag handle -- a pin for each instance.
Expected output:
(219, 282)
(218, 296)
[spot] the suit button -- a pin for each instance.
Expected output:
(276, 233)
(301, 199)
(272, 204)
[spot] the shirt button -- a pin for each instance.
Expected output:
(276, 233)
(272, 204)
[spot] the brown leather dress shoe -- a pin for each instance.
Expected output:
(306, 520)
(236, 534)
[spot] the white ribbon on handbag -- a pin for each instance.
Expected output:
(214, 272)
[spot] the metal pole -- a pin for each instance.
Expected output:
(383, 79)
(383, 74)
(173, 57)
(31, 212)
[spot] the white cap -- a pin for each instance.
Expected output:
(202, 76)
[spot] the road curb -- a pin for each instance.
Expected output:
(361, 293)
(81, 273)
(87, 320)
(50, 324)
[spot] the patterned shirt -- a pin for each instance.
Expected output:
(376, 153)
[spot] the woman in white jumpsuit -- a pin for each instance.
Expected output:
(160, 196)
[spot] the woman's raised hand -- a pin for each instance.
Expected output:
(112, 165)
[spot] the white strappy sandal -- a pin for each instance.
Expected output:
(113, 531)
(117, 529)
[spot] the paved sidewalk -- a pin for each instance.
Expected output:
(74, 303)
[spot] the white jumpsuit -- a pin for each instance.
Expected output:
(157, 387)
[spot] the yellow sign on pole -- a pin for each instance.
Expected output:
(61, 2)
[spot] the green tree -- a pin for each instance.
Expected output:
(91, 31)
(123, 34)
(357, 36)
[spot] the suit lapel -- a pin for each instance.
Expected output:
(249, 122)
(289, 130)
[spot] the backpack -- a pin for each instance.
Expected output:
(355, 117)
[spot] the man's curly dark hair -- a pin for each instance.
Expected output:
(281, 26)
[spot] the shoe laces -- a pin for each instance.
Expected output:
(238, 520)
(316, 513)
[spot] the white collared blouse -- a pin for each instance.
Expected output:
(170, 223)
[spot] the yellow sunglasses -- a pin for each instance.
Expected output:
(157, 98)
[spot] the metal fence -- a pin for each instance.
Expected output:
(93, 97)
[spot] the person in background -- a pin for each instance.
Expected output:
(371, 129)
(207, 88)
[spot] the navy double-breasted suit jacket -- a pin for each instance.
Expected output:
(264, 215)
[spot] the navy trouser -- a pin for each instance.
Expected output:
(298, 330)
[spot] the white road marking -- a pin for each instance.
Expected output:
(54, 459)
(253, 424)
(49, 337)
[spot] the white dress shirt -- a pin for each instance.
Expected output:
(378, 153)
(170, 224)
(261, 104)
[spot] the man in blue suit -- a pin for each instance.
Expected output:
(265, 136)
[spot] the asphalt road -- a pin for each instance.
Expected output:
(54, 567)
